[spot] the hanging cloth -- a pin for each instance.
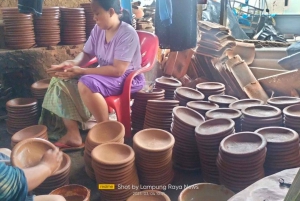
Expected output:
(182, 33)
(165, 12)
(31, 6)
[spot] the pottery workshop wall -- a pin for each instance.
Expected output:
(66, 3)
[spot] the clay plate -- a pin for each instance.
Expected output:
(261, 111)
(210, 86)
(29, 132)
(189, 93)
(283, 100)
(278, 135)
(168, 81)
(244, 103)
(222, 99)
(224, 113)
(112, 154)
(243, 144)
(21, 102)
(215, 126)
(292, 111)
(188, 116)
(202, 105)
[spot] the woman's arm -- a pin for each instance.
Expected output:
(81, 59)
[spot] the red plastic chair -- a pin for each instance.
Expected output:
(121, 103)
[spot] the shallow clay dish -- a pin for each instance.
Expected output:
(224, 113)
(215, 126)
(154, 140)
(29, 132)
(168, 81)
(292, 111)
(278, 135)
(210, 86)
(29, 152)
(261, 111)
(189, 93)
(21, 102)
(112, 153)
(243, 144)
(222, 99)
(188, 116)
(205, 192)
(73, 192)
(202, 105)
(106, 131)
(282, 101)
(149, 195)
(244, 103)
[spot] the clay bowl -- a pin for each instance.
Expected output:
(244, 103)
(205, 192)
(149, 195)
(29, 152)
(189, 93)
(21, 103)
(153, 140)
(278, 135)
(216, 126)
(224, 100)
(243, 144)
(107, 131)
(223, 113)
(283, 101)
(188, 116)
(292, 111)
(210, 86)
(112, 154)
(29, 132)
(261, 112)
(73, 192)
(202, 106)
(41, 84)
(165, 81)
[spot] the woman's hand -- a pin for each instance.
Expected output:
(70, 73)
(63, 66)
(52, 159)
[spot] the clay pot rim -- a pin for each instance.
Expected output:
(23, 143)
(220, 110)
(172, 82)
(259, 149)
(43, 82)
(180, 91)
(269, 107)
(66, 167)
(287, 112)
(213, 99)
(72, 186)
(30, 102)
(294, 138)
(95, 155)
(236, 103)
(158, 133)
(195, 188)
(178, 108)
(221, 86)
(155, 91)
(192, 105)
(42, 129)
(272, 102)
(229, 121)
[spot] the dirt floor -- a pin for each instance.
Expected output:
(78, 175)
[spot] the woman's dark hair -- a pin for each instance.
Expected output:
(115, 4)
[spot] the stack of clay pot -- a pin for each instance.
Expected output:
(153, 150)
(208, 136)
(19, 30)
(259, 116)
(89, 17)
(186, 94)
(21, 113)
(169, 85)
(159, 114)
(292, 117)
(39, 89)
(73, 26)
(149, 195)
(114, 163)
(222, 100)
(47, 28)
(107, 131)
(29, 152)
(228, 113)
(58, 179)
(36, 131)
(241, 160)
(185, 152)
(282, 102)
(202, 106)
(139, 106)
(244, 103)
(282, 148)
(211, 88)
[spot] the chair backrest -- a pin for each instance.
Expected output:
(149, 47)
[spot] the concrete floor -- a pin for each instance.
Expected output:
(78, 175)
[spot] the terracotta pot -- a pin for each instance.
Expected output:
(73, 192)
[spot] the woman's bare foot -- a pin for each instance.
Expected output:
(71, 139)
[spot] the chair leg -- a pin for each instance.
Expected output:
(123, 116)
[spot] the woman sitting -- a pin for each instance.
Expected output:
(76, 93)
